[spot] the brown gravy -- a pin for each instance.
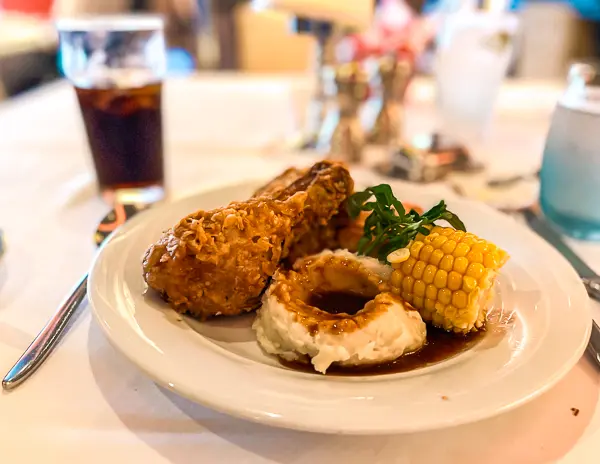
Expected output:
(440, 346)
(338, 302)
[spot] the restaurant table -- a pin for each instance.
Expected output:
(89, 404)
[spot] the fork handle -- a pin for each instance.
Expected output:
(592, 285)
(46, 340)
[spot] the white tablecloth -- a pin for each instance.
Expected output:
(88, 404)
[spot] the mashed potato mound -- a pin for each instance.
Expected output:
(383, 330)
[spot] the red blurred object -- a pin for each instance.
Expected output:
(33, 7)
(395, 30)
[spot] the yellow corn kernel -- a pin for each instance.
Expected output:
(420, 237)
(408, 265)
(475, 256)
(431, 292)
(447, 263)
(415, 248)
(473, 297)
(396, 290)
(429, 304)
(426, 315)
(407, 296)
(398, 256)
(441, 279)
(449, 247)
(480, 246)
(454, 280)
(429, 273)
(502, 257)
(417, 302)
(450, 312)
(437, 319)
(457, 236)
(490, 261)
(447, 325)
(439, 308)
(397, 277)
(439, 241)
(461, 250)
(436, 257)
(426, 252)
(418, 269)
(407, 283)
(446, 231)
(436, 229)
(461, 264)
(491, 247)
(469, 284)
(475, 270)
(419, 288)
(485, 282)
(431, 237)
(459, 299)
(469, 240)
(444, 296)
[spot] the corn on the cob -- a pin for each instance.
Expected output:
(448, 277)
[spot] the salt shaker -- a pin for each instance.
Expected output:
(393, 76)
(323, 32)
(342, 134)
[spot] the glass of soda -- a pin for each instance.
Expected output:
(117, 65)
(570, 174)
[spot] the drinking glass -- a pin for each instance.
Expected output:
(474, 49)
(570, 174)
(117, 64)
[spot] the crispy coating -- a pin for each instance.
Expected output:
(280, 183)
(220, 261)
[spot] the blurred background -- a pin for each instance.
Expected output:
(239, 35)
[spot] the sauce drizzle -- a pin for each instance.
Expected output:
(338, 302)
(440, 346)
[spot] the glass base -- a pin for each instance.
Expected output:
(572, 226)
(137, 195)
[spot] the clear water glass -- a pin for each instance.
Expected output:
(117, 65)
(570, 175)
(474, 49)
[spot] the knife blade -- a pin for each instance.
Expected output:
(590, 279)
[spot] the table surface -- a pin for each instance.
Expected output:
(89, 404)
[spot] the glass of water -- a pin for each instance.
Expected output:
(117, 65)
(474, 50)
(570, 175)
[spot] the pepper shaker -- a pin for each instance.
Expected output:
(342, 135)
(393, 76)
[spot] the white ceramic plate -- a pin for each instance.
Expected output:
(219, 364)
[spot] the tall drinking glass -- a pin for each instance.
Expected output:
(570, 175)
(474, 49)
(117, 65)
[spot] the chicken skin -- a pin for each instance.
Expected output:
(219, 262)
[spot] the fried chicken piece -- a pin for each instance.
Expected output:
(280, 183)
(219, 261)
(318, 236)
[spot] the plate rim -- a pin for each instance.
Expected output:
(283, 422)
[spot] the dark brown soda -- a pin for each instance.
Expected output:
(124, 129)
